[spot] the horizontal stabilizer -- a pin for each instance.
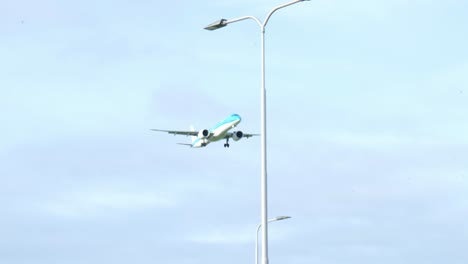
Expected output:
(185, 144)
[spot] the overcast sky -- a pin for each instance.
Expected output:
(367, 132)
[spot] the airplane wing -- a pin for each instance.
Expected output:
(250, 135)
(229, 135)
(175, 132)
(185, 144)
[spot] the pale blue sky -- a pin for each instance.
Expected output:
(367, 132)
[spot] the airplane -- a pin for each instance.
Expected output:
(218, 132)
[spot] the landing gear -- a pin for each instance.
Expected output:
(227, 143)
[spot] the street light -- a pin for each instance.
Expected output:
(222, 23)
(278, 218)
(217, 24)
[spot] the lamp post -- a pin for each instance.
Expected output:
(222, 23)
(278, 218)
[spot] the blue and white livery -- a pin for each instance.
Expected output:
(219, 132)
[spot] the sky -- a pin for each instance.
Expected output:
(367, 105)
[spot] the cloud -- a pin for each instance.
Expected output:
(347, 11)
(227, 236)
(98, 203)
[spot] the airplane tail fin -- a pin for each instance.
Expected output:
(193, 137)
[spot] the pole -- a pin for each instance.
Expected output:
(278, 218)
(256, 244)
(263, 174)
(264, 204)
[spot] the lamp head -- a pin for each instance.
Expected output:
(282, 217)
(216, 25)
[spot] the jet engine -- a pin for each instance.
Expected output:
(236, 135)
(203, 133)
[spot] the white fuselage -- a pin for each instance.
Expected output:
(218, 132)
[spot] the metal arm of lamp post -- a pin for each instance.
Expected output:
(278, 218)
(222, 23)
